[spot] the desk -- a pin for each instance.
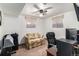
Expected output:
(67, 40)
(65, 47)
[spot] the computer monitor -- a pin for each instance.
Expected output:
(71, 34)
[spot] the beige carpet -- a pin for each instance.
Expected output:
(38, 51)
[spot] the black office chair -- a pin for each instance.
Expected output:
(8, 51)
(15, 37)
(51, 39)
(5, 50)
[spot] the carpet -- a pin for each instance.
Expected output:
(37, 51)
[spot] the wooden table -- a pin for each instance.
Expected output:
(51, 51)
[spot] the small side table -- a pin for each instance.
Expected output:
(51, 51)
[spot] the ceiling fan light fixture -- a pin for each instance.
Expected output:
(41, 15)
(41, 11)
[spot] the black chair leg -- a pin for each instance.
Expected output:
(4, 52)
(49, 46)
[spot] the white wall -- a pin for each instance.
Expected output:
(38, 27)
(24, 29)
(13, 24)
(59, 32)
(69, 21)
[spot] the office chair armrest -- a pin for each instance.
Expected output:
(12, 52)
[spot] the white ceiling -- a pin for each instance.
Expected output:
(13, 9)
(57, 8)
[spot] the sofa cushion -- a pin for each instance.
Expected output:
(34, 35)
(30, 35)
(38, 35)
(34, 40)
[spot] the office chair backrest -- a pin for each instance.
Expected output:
(15, 40)
(50, 35)
(51, 38)
(9, 50)
(15, 37)
(2, 42)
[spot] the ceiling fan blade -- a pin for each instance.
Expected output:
(48, 8)
(36, 6)
(35, 11)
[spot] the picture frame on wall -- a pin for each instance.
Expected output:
(57, 22)
(30, 25)
(57, 25)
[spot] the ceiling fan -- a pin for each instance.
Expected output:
(42, 11)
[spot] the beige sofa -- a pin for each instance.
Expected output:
(33, 40)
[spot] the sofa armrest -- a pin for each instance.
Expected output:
(42, 36)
